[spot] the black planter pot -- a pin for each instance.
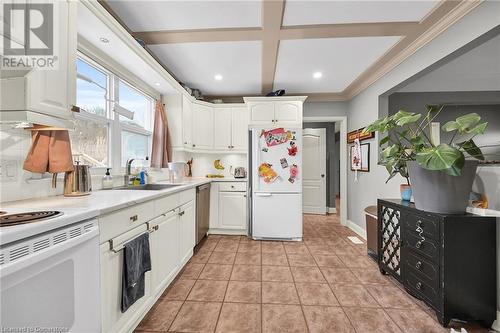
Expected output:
(438, 192)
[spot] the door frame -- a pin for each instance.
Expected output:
(324, 178)
(343, 158)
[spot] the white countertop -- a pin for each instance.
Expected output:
(78, 209)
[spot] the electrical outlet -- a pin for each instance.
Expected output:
(9, 170)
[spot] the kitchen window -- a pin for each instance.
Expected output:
(115, 119)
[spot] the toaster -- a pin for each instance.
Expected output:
(240, 172)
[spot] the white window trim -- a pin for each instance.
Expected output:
(115, 127)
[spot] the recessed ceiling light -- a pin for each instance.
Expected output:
(317, 75)
(218, 77)
(157, 83)
(104, 40)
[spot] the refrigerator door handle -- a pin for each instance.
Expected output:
(263, 194)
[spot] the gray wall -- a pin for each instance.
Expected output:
(332, 161)
(364, 108)
(325, 109)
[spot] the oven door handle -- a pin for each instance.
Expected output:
(33, 258)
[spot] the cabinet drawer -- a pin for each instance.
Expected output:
(415, 262)
(417, 224)
(119, 222)
(421, 289)
(186, 196)
(166, 204)
(421, 245)
(233, 187)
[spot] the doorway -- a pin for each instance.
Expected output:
(325, 194)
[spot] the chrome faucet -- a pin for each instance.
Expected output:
(128, 168)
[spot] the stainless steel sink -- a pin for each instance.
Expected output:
(148, 187)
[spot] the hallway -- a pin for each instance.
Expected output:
(324, 284)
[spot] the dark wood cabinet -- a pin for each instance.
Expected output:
(447, 261)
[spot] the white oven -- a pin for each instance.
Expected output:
(50, 282)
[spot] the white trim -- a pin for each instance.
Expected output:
(332, 210)
(496, 323)
(217, 231)
(357, 229)
(343, 159)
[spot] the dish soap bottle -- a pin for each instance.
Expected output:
(107, 180)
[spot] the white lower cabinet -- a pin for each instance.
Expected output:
(228, 208)
(171, 240)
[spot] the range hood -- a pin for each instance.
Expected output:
(27, 119)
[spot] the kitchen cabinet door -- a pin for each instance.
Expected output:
(173, 109)
(261, 113)
(53, 91)
(187, 231)
(203, 127)
(187, 123)
(232, 210)
(223, 128)
(164, 250)
(288, 113)
(239, 133)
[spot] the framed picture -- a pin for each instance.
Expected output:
(360, 157)
(359, 134)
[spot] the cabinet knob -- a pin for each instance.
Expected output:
(133, 218)
(194, 145)
(418, 285)
(185, 143)
(228, 146)
(418, 265)
(322, 176)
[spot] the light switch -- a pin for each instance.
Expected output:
(9, 170)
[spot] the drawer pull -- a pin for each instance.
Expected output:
(418, 265)
(419, 223)
(419, 243)
(419, 230)
(418, 285)
(134, 218)
(181, 213)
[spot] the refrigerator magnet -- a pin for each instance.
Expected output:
(267, 173)
(294, 172)
(292, 150)
(284, 163)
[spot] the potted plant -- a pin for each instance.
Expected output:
(440, 174)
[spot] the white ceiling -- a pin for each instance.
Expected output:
(340, 60)
(332, 12)
(91, 28)
(475, 70)
(185, 14)
(195, 64)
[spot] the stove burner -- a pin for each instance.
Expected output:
(23, 218)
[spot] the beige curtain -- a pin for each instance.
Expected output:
(162, 148)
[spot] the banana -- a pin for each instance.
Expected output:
(218, 165)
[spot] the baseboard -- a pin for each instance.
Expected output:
(216, 231)
(332, 210)
(496, 323)
(357, 229)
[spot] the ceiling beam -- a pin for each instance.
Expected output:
(199, 35)
(349, 30)
(272, 16)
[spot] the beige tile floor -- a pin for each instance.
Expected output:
(323, 284)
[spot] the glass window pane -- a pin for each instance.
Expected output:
(134, 146)
(91, 96)
(136, 102)
(89, 143)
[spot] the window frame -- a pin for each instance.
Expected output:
(112, 119)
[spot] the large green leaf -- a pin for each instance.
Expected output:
(390, 151)
(479, 129)
(456, 168)
(470, 147)
(378, 125)
(442, 157)
(464, 124)
(408, 119)
(384, 140)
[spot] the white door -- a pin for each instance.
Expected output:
(187, 231)
(314, 166)
(240, 128)
(203, 127)
(286, 113)
(187, 122)
(232, 210)
(261, 113)
(222, 126)
(164, 242)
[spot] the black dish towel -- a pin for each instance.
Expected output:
(136, 262)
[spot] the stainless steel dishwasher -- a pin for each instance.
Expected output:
(202, 211)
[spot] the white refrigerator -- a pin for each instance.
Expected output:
(275, 168)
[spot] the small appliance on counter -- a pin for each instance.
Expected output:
(176, 171)
(78, 182)
(240, 172)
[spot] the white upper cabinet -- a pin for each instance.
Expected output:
(275, 111)
(239, 132)
(173, 109)
(203, 127)
(261, 113)
(222, 128)
(187, 123)
(52, 91)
